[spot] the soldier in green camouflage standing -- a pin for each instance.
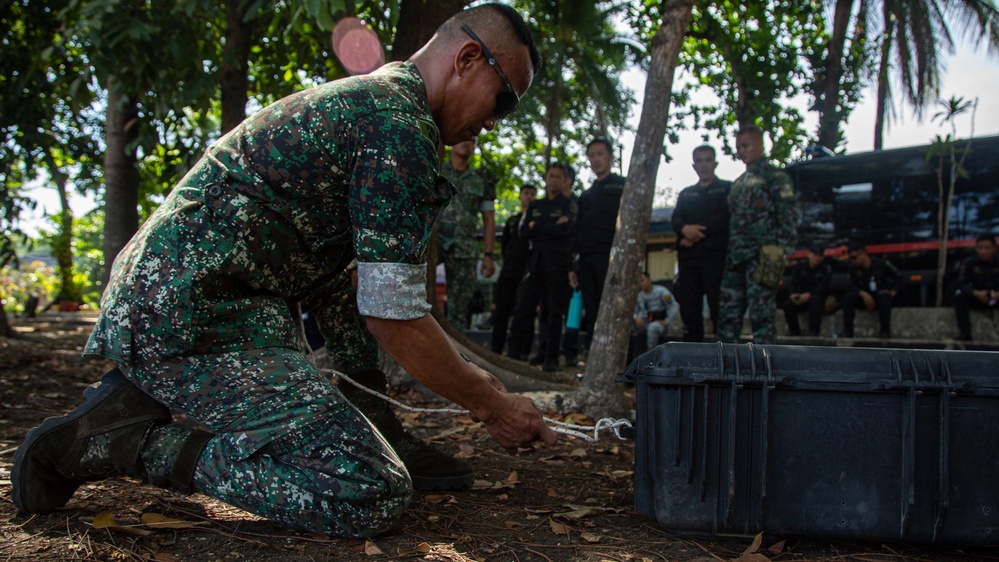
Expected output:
(456, 243)
(196, 314)
(763, 211)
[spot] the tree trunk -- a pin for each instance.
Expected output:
(121, 175)
(599, 395)
(5, 330)
(63, 244)
(828, 104)
(883, 83)
(422, 20)
(235, 57)
(553, 129)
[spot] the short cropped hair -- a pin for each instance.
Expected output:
(530, 186)
(706, 148)
(481, 16)
(751, 130)
(984, 237)
(560, 166)
(601, 140)
(856, 246)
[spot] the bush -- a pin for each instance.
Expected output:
(17, 284)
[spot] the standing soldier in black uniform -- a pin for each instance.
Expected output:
(873, 281)
(549, 228)
(595, 227)
(515, 251)
(979, 285)
(700, 220)
(809, 285)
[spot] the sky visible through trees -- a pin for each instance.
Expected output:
(970, 73)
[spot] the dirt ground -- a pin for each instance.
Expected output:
(570, 502)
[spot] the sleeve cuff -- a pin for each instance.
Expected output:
(394, 291)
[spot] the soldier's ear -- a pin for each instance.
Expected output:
(465, 58)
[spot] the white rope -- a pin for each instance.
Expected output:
(574, 430)
(605, 424)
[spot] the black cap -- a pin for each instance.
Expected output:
(817, 249)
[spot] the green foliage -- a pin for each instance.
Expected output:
(857, 66)
(88, 255)
(748, 55)
(17, 284)
(578, 94)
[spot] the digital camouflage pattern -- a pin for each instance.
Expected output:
(288, 445)
(763, 210)
(196, 311)
(456, 243)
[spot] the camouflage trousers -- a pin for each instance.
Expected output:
(461, 280)
(288, 446)
(738, 293)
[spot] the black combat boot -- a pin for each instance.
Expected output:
(102, 437)
(429, 468)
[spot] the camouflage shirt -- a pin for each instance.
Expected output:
(763, 210)
(276, 209)
(459, 221)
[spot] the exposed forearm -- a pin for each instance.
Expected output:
(425, 352)
(422, 348)
(489, 230)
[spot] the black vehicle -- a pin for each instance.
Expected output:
(889, 200)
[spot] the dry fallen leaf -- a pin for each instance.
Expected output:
(371, 549)
(130, 531)
(757, 541)
(578, 453)
(160, 521)
(418, 550)
(589, 537)
(580, 511)
(164, 557)
(439, 498)
(776, 548)
(103, 520)
(512, 524)
(558, 528)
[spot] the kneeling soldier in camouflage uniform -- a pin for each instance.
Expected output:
(196, 313)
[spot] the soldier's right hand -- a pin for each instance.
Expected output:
(516, 422)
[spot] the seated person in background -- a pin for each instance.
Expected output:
(873, 281)
(809, 286)
(978, 285)
(654, 311)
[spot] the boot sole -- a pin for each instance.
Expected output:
(93, 395)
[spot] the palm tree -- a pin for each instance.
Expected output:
(584, 57)
(915, 33)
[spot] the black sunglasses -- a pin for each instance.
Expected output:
(507, 100)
